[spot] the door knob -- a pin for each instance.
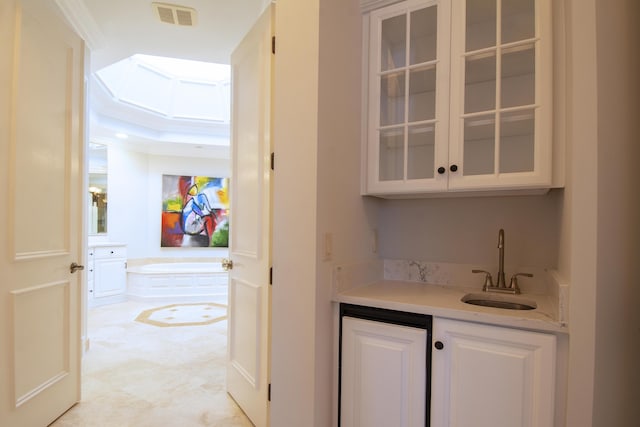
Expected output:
(75, 267)
(227, 264)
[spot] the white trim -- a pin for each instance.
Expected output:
(82, 22)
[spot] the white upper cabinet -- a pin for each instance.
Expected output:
(408, 92)
(458, 96)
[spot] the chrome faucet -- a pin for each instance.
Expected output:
(501, 284)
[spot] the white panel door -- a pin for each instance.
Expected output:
(41, 98)
(383, 374)
(488, 376)
(250, 219)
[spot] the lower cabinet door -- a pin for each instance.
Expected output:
(110, 278)
(383, 374)
(490, 376)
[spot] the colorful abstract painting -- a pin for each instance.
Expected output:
(195, 211)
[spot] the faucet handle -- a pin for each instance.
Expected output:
(514, 281)
(488, 281)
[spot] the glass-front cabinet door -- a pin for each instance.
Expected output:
(501, 94)
(408, 90)
(459, 96)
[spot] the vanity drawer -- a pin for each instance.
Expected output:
(110, 252)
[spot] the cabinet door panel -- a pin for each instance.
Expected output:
(383, 381)
(501, 69)
(492, 376)
(110, 278)
(408, 83)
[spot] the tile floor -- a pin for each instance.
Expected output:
(155, 365)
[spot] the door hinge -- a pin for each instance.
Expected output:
(271, 275)
(273, 44)
(269, 393)
(273, 161)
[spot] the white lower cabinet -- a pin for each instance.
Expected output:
(384, 371)
(108, 277)
(90, 276)
(490, 376)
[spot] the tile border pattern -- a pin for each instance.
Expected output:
(145, 316)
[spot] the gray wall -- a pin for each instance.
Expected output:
(465, 230)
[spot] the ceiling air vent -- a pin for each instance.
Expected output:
(174, 14)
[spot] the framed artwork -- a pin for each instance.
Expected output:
(195, 211)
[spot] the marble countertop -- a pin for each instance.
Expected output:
(104, 244)
(444, 301)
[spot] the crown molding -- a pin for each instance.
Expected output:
(82, 22)
(368, 5)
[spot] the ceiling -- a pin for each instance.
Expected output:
(117, 29)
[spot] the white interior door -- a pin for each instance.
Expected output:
(41, 98)
(250, 220)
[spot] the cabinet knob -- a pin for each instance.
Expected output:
(441, 170)
(439, 345)
(453, 168)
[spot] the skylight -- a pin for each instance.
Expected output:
(186, 69)
(175, 89)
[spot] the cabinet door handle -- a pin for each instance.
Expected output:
(453, 168)
(439, 345)
(441, 170)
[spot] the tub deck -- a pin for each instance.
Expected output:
(186, 281)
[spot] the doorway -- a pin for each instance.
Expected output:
(164, 357)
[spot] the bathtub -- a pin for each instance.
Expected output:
(184, 281)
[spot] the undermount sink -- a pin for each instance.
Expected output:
(499, 301)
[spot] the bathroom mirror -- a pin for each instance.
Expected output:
(97, 200)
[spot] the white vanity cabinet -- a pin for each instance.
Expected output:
(107, 275)
(490, 376)
(458, 96)
(384, 369)
(90, 276)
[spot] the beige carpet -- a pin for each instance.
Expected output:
(139, 372)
